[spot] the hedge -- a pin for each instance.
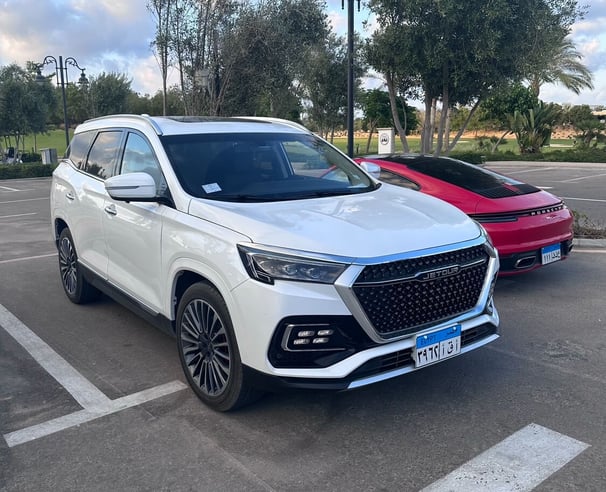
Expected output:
(16, 171)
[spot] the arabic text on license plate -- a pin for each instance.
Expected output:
(552, 253)
(438, 345)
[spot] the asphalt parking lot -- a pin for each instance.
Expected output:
(93, 398)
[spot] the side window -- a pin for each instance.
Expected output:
(103, 154)
(78, 148)
(140, 158)
(396, 179)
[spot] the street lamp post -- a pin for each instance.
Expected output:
(350, 73)
(62, 79)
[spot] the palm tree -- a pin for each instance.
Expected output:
(562, 66)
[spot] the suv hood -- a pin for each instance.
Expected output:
(387, 221)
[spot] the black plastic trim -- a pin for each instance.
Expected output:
(156, 319)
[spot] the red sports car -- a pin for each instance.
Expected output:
(529, 227)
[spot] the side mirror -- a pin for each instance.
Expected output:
(132, 187)
(371, 168)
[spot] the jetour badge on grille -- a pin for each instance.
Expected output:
(437, 345)
(438, 273)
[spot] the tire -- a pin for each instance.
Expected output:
(208, 350)
(76, 287)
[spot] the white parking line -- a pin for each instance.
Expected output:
(520, 463)
(94, 402)
(17, 215)
(8, 189)
(523, 171)
(584, 199)
(25, 200)
(27, 258)
(583, 177)
(81, 417)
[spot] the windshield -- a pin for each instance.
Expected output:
(253, 167)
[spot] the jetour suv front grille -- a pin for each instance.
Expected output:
(402, 297)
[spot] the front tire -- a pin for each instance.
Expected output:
(208, 350)
(76, 287)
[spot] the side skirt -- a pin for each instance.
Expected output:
(156, 319)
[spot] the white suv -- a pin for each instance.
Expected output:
(274, 259)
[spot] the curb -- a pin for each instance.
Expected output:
(582, 243)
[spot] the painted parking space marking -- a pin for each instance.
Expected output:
(520, 462)
(94, 402)
(6, 188)
(599, 200)
(28, 258)
(583, 177)
(17, 215)
(25, 200)
(86, 415)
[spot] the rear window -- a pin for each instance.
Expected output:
(78, 148)
(467, 176)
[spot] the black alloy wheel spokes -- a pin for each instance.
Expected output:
(205, 347)
(68, 266)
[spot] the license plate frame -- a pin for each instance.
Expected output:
(437, 346)
(551, 254)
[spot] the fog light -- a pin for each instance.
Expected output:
(308, 337)
(307, 333)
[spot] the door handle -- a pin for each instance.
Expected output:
(111, 209)
(70, 196)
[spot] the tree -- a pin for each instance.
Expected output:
(268, 50)
(25, 106)
(589, 127)
(458, 53)
(324, 84)
(496, 110)
(377, 111)
(109, 94)
(533, 127)
(162, 11)
(561, 64)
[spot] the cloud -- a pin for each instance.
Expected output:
(103, 36)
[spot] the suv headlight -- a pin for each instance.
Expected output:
(268, 266)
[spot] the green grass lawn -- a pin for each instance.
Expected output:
(54, 139)
(463, 145)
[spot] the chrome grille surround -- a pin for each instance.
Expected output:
(395, 297)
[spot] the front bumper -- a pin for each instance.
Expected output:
(277, 326)
(373, 365)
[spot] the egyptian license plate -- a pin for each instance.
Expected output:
(438, 345)
(552, 253)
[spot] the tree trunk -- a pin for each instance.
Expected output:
(394, 112)
(464, 126)
(370, 133)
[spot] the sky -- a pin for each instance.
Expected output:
(113, 36)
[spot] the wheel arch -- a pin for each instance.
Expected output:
(184, 279)
(58, 226)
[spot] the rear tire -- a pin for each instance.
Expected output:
(76, 287)
(208, 350)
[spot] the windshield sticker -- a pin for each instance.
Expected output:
(211, 188)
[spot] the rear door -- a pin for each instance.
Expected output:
(83, 196)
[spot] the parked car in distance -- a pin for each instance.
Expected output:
(529, 227)
(228, 234)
